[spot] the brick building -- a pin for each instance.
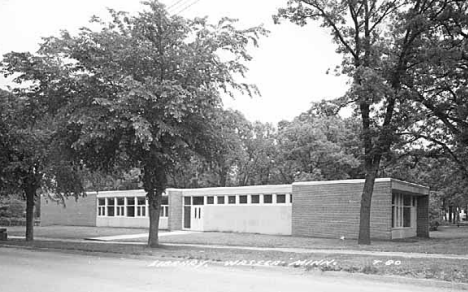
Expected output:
(317, 209)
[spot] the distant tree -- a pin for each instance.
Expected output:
(140, 90)
(316, 148)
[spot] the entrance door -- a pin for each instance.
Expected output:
(197, 213)
(196, 218)
(193, 213)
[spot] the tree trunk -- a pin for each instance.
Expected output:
(450, 214)
(364, 215)
(154, 206)
(30, 196)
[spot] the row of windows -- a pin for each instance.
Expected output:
(402, 207)
(128, 207)
(239, 199)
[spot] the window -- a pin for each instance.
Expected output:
(267, 199)
(101, 207)
(290, 198)
(131, 207)
(243, 199)
(281, 199)
(198, 200)
(141, 207)
(401, 210)
(255, 199)
(110, 207)
(187, 201)
(164, 212)
(220, 200)
(231, 199)
(120, 207)
(210, 200)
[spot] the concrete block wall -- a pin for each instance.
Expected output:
(81, 212)
(331, 209)
(175, 209)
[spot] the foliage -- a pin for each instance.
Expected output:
(139, 91)
(315, 147)
(381, 43)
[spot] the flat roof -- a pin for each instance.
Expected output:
(244, 190)
(396, 184)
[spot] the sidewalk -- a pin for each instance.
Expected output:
(273, 249)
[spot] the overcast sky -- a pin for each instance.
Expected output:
(289, 67)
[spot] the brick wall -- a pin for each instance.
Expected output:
(422, 215)
(331, 209)
(75, 213)
(175, 209)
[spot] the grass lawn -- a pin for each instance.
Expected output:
(440, 269)
(448, 240)
(73, 232)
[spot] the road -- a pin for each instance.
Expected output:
(47, 271)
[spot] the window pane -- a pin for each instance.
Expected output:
(120, 201)
(406, 217)
(141, 201)
(210, 200)
(243, 199)
(130, 201)
(280, 199)
(393, 198)
(130, 211)
(110, 201)
(393, 216)
(406, 200)
(255, 199)
(232, 199)
(101, 202)
(187, 201)
(290, 198)
(164, 200)
(110, 211)
(198, 200)
(220, 199)
(267, 199)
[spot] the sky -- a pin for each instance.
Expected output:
(289, 66)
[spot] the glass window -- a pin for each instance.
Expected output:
(141, 207)
(232, 199)
(187, 201)
(406, 217)
(406, 201)
(220, 200)
(102, 207)
(210, 200)
(198, 200)
(131, 207)
(110, 206)
(401, 210)
(255, 199)
(164, 200)
(267, 199)
(243, 199)
(280, 199)
(290, 198)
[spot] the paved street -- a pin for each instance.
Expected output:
(41, 271)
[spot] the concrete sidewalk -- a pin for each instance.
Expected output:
(274, 249)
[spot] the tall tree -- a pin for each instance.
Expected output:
(142, 89)
(377, 40)
(32, 155)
